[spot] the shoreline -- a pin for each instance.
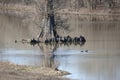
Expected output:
(21, 10)
(9, 71)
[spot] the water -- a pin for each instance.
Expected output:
(97, 59)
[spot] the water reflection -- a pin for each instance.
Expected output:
(49, 56)
(101, 62)
(49, 52)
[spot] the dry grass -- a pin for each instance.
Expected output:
(10, 71)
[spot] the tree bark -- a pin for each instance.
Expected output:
(49, 30)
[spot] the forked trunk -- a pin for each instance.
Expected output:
(48, 24)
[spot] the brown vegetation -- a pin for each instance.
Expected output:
(10, 71)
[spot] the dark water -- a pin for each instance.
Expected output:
(97, 59)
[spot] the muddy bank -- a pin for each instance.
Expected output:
(9, 71)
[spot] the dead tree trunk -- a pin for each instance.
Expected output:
(48, 30)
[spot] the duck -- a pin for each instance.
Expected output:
(86, 50)
(82, 38)
(33, 41)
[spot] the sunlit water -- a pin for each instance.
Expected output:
(97, 59)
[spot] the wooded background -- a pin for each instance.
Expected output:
(73, 4)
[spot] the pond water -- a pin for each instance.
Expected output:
(97, 59)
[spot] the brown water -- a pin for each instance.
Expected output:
(100, 62)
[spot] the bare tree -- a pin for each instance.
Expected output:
(50, 21)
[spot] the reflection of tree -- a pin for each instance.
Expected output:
(49, 56)
(49, 53)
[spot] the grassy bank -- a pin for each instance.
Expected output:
(10, 71)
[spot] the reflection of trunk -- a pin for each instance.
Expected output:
(49, 57)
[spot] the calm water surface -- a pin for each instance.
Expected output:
(100, 62)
